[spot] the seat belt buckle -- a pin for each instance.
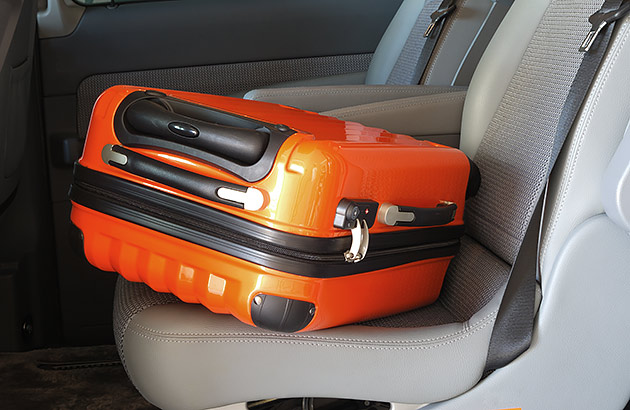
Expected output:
(437, 16)
(599, 20)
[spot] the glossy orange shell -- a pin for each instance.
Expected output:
(325, 161)
(225, 284)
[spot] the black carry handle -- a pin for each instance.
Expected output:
(156, 117)
(190, 182)
(394, 215)
(243, 146)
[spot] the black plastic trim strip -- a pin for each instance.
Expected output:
(249, 241)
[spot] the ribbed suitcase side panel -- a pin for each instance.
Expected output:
(225, 284)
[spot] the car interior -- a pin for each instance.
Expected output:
(531, 311)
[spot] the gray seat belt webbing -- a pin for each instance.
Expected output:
(497, 11)
(512, 332)
(409, 71)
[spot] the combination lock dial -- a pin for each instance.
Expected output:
(351, 210)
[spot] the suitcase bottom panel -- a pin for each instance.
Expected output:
(252, 293)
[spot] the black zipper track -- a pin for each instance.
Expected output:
(246, 240)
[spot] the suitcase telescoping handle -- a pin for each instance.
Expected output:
(215, 190)
(243, 145)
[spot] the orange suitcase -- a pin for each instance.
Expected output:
(286, 219)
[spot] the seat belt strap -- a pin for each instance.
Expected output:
(403, 73)
(495, 16)
(513, 327)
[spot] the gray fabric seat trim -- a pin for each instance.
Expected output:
(513, 159)
(514, 154)
(475, 275)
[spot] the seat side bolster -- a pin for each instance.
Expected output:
(616, 185)
(579, 357)
(585, 181)
(496, 69)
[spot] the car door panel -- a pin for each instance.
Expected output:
(28, 297)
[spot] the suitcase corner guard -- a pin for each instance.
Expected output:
(281, 314)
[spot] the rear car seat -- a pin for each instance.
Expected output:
(411, 68)
(181, 356)
(397, 53)
(405, 58)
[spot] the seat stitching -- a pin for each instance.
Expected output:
(376, 90)
(466, 329)
(310, 343)
(395, 105)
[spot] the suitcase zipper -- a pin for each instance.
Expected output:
(357, 216)
(130, 205)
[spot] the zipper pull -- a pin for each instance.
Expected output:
(358, 216)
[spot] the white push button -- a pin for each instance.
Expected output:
(252, 199)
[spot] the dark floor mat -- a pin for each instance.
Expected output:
(88, 378)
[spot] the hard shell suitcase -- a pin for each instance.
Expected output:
(286, 219)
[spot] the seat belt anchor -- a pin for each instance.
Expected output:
(600, 19)
(438, 15)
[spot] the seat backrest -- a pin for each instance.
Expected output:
(394, 54)
(512, 110)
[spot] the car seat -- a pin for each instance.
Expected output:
(405, 58)
(181, 356)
